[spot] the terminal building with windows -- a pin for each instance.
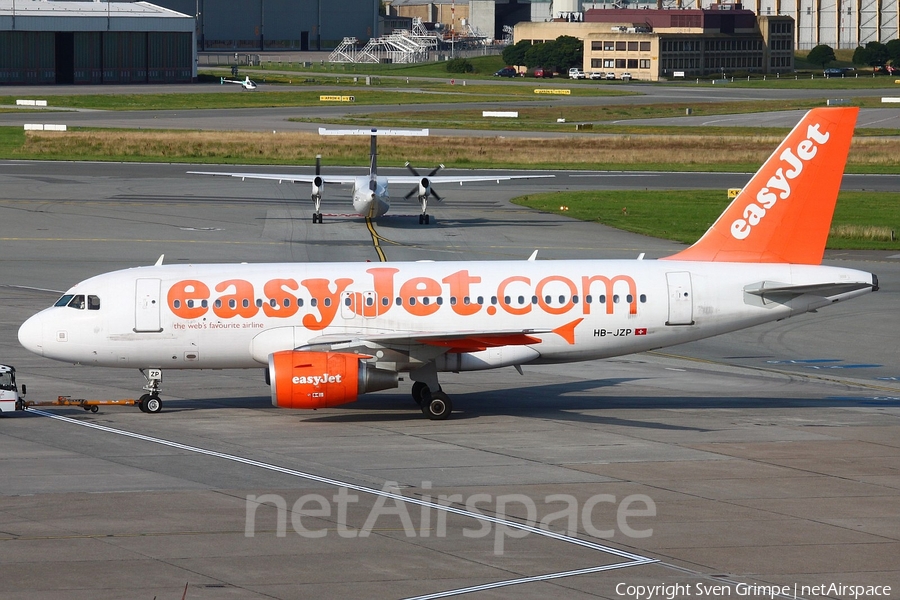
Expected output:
(657, 44)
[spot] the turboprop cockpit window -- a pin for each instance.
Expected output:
(64, 301)
(93, 303)
(77, 301)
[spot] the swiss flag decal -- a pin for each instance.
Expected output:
(641, 331)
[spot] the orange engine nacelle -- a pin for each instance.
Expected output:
(321, 379)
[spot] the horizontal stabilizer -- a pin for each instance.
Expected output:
(825, 290)
(393, 132)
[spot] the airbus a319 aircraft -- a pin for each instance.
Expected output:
(371, 194)
(328, 332)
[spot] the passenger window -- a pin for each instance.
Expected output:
(77, 302)
(64, 301)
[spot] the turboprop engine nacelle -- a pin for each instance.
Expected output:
(321, 379)
(317, 187)
(424, 187)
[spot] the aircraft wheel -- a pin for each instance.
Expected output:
(439, 407)
(153, 404)
(427, 219)
(142, 402)
(419, 391)
(95, 408)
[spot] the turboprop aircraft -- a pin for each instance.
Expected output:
(327, 332)
(245, 83)
(371, 197)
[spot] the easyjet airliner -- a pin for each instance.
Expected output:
(329, 332)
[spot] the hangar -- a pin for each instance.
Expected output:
(278, 24)
(54, 42)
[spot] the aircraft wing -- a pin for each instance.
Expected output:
(482, 338)
(460, 179)
(290, 178)
(427, 345)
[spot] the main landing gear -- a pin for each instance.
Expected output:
(150, 402)
(437, 406)
(427, 393)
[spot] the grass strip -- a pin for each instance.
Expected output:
(741, 153)
(862, 220)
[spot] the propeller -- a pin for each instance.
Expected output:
(424, 189)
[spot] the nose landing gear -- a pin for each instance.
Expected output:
(150, 402)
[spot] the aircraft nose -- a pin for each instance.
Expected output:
(31, 335)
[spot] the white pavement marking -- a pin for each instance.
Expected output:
(633, 559)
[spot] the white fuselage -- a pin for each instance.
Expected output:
(368, 202)
(236, 315)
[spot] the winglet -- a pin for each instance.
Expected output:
(783, 215)
(159, 261)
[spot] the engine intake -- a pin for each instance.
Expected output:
(301, 379)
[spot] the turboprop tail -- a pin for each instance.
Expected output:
(783, 215)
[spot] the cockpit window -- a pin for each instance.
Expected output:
(93, 303)
(77, 302)
(64, 301)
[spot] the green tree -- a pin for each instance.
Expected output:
(873, 54)
(460, 65)
(893, 48)
(567, 52)
(538, 55)
(515, 54)
(821, 55)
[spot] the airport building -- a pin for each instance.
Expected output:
(44, 42)
(837, 23)
(656, 44)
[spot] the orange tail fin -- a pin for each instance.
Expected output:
(783, 214)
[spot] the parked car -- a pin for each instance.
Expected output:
(597, 75)
(610, 75)
(626, 76)
(839, 72)
(576, 73)
(506, 72)
(543, 72)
